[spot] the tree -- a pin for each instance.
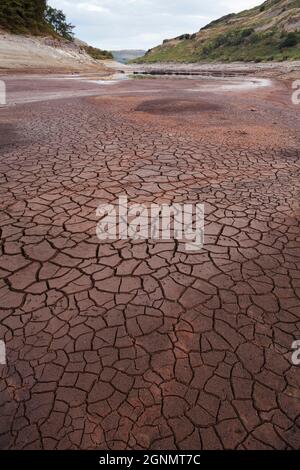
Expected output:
(290, 40)
(23, 15)
(34, 17)
(39, 8)
(58, 21)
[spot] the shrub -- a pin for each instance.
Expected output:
(233, 38)
(98, 54)
(290, 40)
(184, 36)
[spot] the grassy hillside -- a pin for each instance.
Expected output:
(267, 32)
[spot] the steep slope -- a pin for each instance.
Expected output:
(29, 41)
(35, 53)
(267, 32)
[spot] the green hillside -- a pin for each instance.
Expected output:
(267, 32)
(24, 16)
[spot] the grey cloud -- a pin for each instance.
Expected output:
(136, 24)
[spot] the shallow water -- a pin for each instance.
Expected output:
(220, 81)
(26, 89)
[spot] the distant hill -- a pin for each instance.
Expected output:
(127, 55)
(267, 32)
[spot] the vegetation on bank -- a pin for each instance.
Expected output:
(265, 33)
(98, 54)
(239, 45)
(35, 17)
(57, 20)
(24, 16)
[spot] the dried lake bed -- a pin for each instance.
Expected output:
(138, 344)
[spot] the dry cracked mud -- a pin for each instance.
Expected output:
(141, 345)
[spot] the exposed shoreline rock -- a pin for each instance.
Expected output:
(19, 53)
(283, 70)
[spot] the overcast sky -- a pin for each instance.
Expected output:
(141, 24)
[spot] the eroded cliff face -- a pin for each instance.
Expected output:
(18, 52)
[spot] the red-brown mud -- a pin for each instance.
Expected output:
(141, 345)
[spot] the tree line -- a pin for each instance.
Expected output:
(35, 17)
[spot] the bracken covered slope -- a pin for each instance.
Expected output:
(266, 32)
